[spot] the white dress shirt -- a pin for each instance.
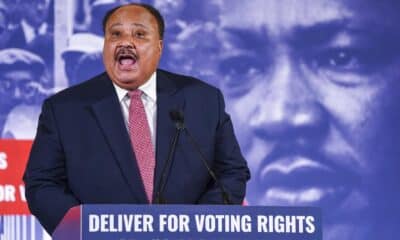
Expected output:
(149, 99)
(29, 31)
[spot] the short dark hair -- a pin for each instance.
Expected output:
(152, 10)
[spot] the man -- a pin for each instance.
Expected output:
(313, 87)
(21, 74)
(79, 44)
(87, 66)
(97, 143)
(33, 21)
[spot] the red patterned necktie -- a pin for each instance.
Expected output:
(139, 131)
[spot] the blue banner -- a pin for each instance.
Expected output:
(118, 222)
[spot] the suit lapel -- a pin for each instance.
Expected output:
(168, 98)
(107, 111)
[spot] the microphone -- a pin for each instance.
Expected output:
(164, 173)
(178, 117)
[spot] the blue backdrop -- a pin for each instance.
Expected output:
(312, 87)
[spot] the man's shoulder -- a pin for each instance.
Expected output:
(93, 88)
(189, 83)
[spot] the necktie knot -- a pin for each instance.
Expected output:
(135, 94)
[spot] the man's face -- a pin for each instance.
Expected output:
(15, 88)
(132, 46)
(313, 88)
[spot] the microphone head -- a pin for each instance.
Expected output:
(178, 118)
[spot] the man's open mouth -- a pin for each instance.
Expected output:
(126, 59)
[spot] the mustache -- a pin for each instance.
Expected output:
(125, 51)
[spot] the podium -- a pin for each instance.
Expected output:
(168, 222)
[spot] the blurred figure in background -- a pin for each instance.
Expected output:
(313, 88)
(78, 45)
(191, 45)
(34, 21)
(98, 9)
(88, 66)
(28, 25)
(21, 75)
(43, 46)
(21, 122)
(4, 25)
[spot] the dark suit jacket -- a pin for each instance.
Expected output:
(82, 152)
(18, 38)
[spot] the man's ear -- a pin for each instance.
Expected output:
(160, 45)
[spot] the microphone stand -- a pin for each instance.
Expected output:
(178, 118)
(164, 173)
(225, 195)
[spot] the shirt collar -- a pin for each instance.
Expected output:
(29, 30)
(148, 88)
